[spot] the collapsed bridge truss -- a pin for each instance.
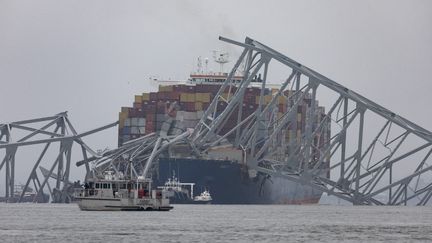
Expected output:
(45, 132)
(374, 156)
(357, 150)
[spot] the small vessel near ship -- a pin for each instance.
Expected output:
(115, 193)
(179, 193)
(203, 198)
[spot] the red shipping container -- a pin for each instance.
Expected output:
(149, 108)
(137, 105)
(150, 118)
(174, 96)
(153, 96)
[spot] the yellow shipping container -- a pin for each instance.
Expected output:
(267, 99)
(122, 117)
(145, 96)
(282, 100)
(205, 97)
(191, 97)
(166, 88)
(138, 98)
(202, 97)
(184, 97)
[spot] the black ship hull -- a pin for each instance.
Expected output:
(229, 183)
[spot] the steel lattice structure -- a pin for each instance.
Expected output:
(135, 157)
(398, 175)
(45, 131)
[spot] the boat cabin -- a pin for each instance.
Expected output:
(139, 188)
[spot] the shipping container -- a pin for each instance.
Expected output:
(145, 96)
(138, 99)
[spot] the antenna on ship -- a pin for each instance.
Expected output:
(199, 65)
(221, 58)
(206, 61)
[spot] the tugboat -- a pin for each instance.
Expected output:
(177, 191)
(203, 198)
(115, 193)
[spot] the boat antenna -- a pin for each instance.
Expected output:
(199, 65)
(206, 61)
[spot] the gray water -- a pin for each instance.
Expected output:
(216, 223)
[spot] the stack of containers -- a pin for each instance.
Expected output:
(150, 111)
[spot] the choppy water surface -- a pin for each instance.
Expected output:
(216, 223)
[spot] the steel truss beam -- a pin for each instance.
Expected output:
(47, 131)
(134, 158)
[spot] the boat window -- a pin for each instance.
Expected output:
(97, 185)
(109, 185)
(105, 186)
(122, 186)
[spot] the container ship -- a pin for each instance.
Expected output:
(223, 172)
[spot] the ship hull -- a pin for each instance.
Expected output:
(229, 183)
(116, 204)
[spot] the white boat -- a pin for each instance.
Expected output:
(115, 194)
(204, 197)
(177, 191)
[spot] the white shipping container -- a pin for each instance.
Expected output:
(135, 130)
(127, 122)
(141, 122)
(190, 115)
(180, 116)
(134, 121)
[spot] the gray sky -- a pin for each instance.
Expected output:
(91, 57)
